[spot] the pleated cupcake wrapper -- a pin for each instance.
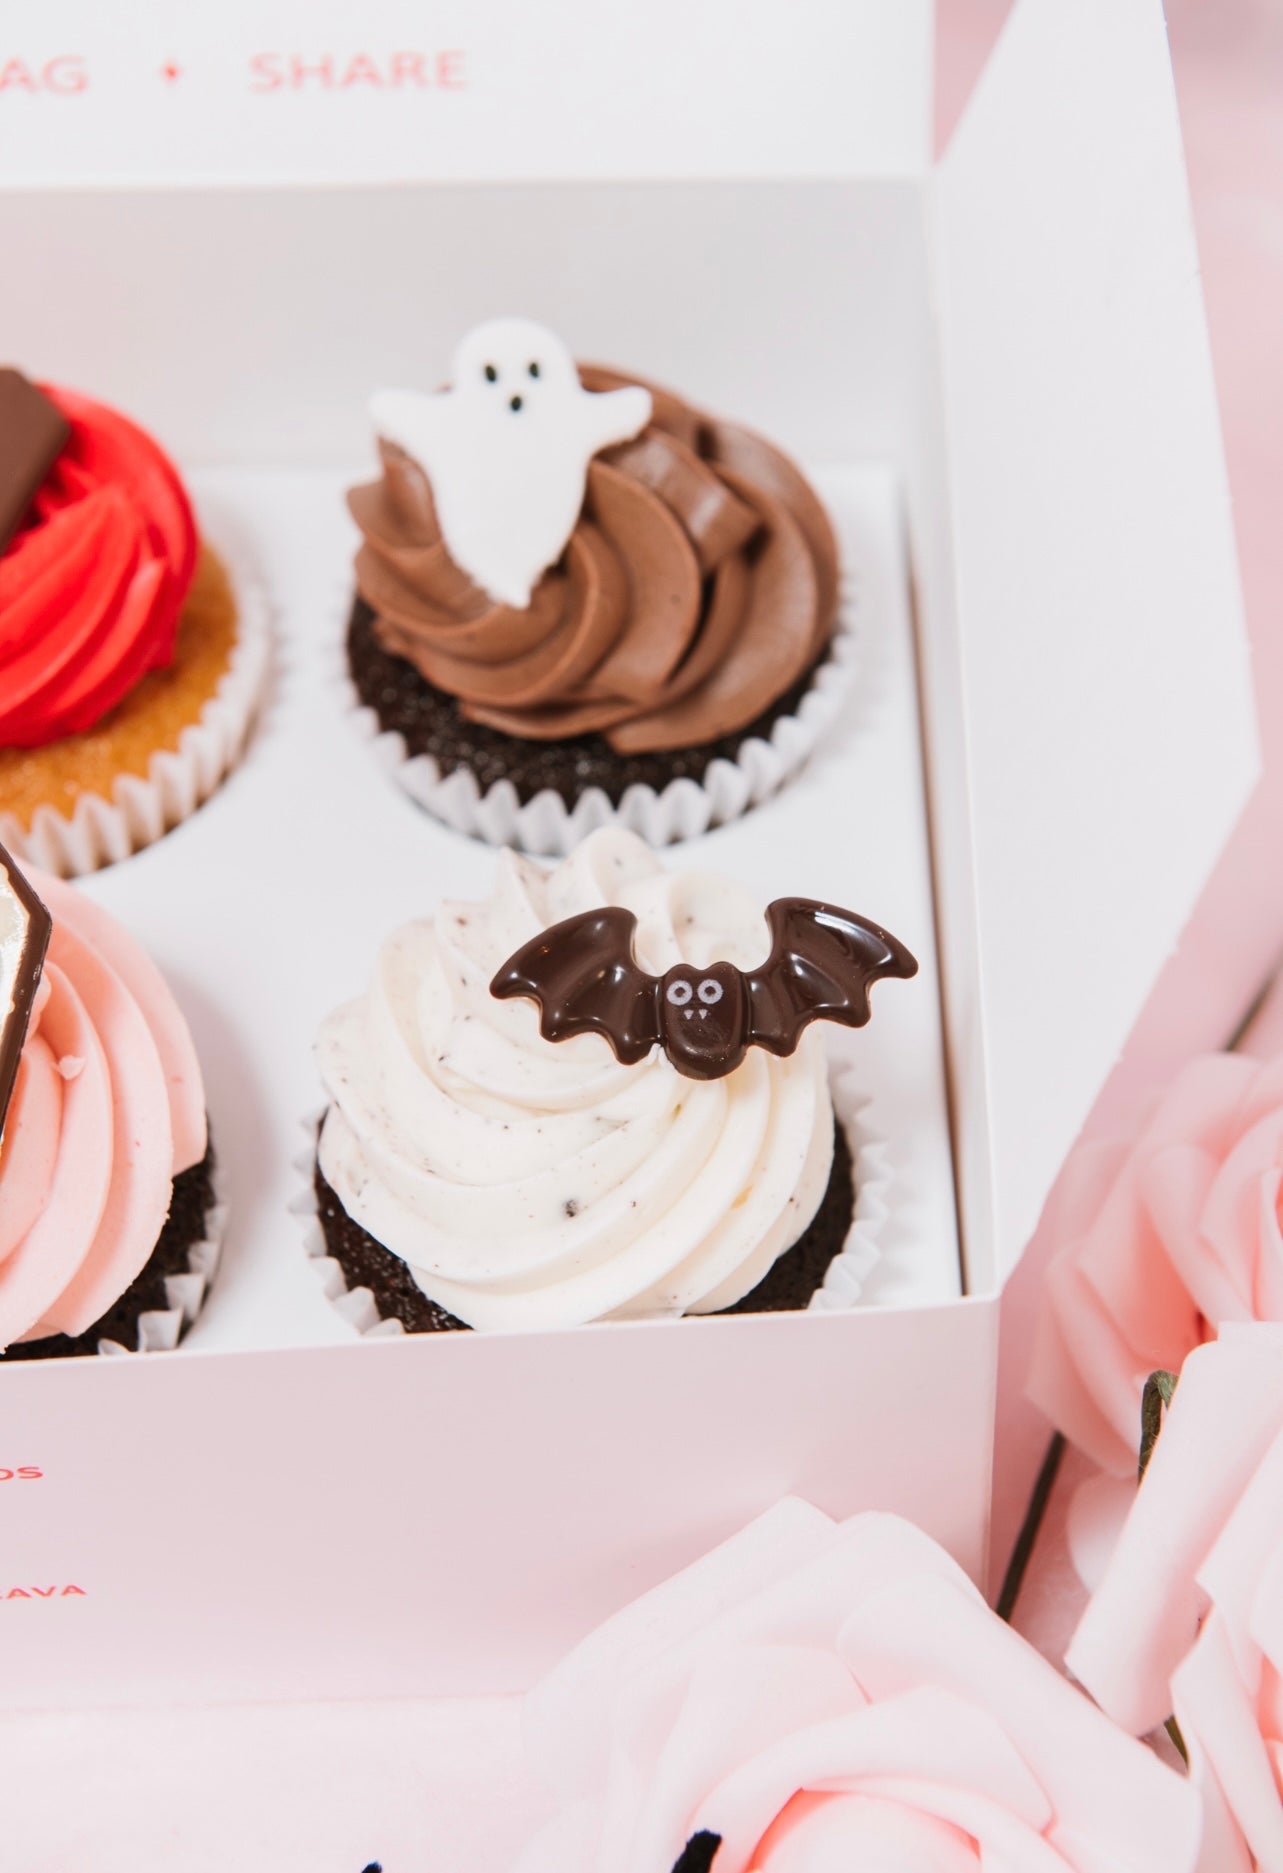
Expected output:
(873, 1175)
(159, 1328)
(843, 1283)
(547, 827)
(357, 1305)
(101, 831)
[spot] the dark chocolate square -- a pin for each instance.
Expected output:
(33, 433)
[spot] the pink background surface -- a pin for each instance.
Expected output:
(1228, 60)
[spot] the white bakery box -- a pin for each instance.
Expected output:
(998, 368)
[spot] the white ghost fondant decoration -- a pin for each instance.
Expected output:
(507, 449)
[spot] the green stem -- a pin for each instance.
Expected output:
(1160, 1388)
(1014, 1578)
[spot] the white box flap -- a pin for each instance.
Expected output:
(316, 91)
(1098, 589)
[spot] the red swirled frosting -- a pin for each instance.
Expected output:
(92, 585)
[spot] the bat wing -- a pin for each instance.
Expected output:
(822, 964)
(582, 975)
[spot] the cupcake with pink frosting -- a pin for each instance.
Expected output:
(109, 1223)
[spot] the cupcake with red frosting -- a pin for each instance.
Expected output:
(109, 1221)
(583, 600)
(129, 663)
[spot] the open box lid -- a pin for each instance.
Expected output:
(1097, 586)
(305, 91)
(1095, 566)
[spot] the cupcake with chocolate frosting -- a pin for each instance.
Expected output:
(581, 599)
(129, 661)
(109, 1224)
(601, 1094)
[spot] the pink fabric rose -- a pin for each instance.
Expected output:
(1189, 1616)
(1159, 1243)
(816, 1697)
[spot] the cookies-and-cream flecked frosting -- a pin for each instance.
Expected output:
(530, 1184)
(108, 1107)
(699, 584)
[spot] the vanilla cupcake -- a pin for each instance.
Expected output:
(581, 599)
(130, 663)
(109, 1223)
(656, 1138)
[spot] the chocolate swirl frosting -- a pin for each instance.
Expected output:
(699, 584)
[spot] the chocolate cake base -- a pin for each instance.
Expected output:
(397, 1295)
(789, 1285)
(189, 1207)
(431, 723)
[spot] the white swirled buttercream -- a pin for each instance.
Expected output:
(532, 1184)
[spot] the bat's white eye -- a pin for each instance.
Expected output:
(679, 993)
(710, 991)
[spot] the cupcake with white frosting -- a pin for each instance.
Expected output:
(489, 1163)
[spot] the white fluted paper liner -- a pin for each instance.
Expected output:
(872, 1174)
(546, 827)
(843, 1284)
(357, 1305)
(160, 1328)
(100, 831)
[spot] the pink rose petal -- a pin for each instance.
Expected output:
(827, 1698)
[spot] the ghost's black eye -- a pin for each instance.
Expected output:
(679, 993)
(533, 367)
(710, 991)
(492, 376)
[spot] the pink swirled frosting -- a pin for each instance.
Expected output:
(107, 1108)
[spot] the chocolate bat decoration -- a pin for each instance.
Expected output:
(33, 432)
(25, 929)
(822, 964)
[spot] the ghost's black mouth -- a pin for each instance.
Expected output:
(514, 403)
(697, 1855)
